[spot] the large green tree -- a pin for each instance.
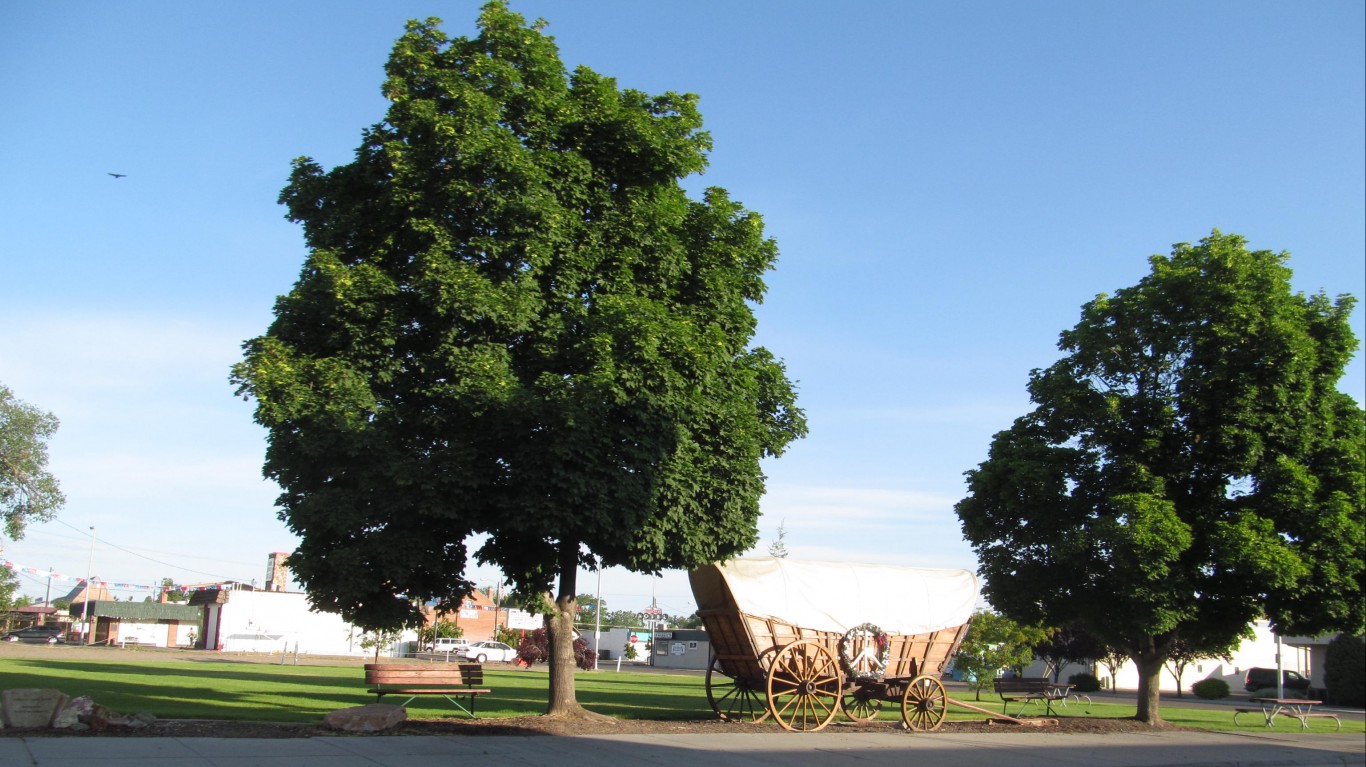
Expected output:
(28, 491)
(514, 322)
(1190, 466)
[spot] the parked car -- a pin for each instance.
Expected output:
(37, 635)
(1265, 678)
(484, 652)
(450, 645)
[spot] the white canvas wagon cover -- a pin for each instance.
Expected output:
(837, 596)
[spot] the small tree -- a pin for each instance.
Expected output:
(1113, 659)
(1069, 644)
(173, 591)
(779, 547)
(378, 640)
(9, 585)
(441, 629)
(28, 492)
(994, 642)
(1184, 653)
(629, 651)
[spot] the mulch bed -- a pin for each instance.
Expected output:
(541, 725)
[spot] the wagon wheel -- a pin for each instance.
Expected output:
(924, 704)
(804, 686)
(860, 704)
(734, 698)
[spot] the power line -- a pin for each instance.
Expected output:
(112, 545)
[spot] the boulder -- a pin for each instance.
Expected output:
(30, 707)
(75, 715)
(374, 717)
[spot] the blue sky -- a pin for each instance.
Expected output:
(947, 182)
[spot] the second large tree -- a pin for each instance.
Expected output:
(513, 324)
(1190, 466)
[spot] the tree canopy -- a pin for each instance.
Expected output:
(28, 491)
(513, 321)
(1189, 466)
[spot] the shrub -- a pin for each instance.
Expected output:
(1344, 670)
(1084, 682)
(1210, 689)
(535, 648)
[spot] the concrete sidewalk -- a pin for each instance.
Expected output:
(786, 749)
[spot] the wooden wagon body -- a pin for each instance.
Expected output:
(803, 641)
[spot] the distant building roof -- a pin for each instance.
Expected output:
(142, 611)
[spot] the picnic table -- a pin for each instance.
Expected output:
(1029, 689)
(1299, 708)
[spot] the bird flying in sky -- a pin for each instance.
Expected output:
(118, 175)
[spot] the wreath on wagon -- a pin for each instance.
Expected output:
(868, 664)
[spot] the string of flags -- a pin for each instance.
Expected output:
(18, 568)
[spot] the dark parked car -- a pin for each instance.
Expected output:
(1265, 678)
(37, 634)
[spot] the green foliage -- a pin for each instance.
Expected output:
(993, 643)
(621, 618)
(1190, 465)
(172, 591)
(28, 492)
(629, 651)
(1210, 689)
(1344, 670)
(379, 640)
(509, 637)
(9, 584)
(513, 321)
(445, 629)
(1084, 682)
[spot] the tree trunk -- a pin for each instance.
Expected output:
(1149, 662)
(559, 627)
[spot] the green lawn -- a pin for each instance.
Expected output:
(221, 688)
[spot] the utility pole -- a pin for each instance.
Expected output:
(597, 622)
(85, 607)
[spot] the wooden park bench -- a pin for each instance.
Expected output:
(464, 681)
(1027, 689)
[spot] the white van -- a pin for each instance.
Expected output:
(450, 645)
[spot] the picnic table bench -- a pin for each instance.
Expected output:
(464, 681)
(1298, 708)
(1029, 689)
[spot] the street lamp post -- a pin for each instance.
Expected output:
(85, 606)
(597, 621)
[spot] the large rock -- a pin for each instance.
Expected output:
(75, 715)
(30, 707)
(374, 717)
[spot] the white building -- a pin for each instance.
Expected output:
(1302, 654)
(278, 621)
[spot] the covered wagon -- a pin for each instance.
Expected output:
(803, 641)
